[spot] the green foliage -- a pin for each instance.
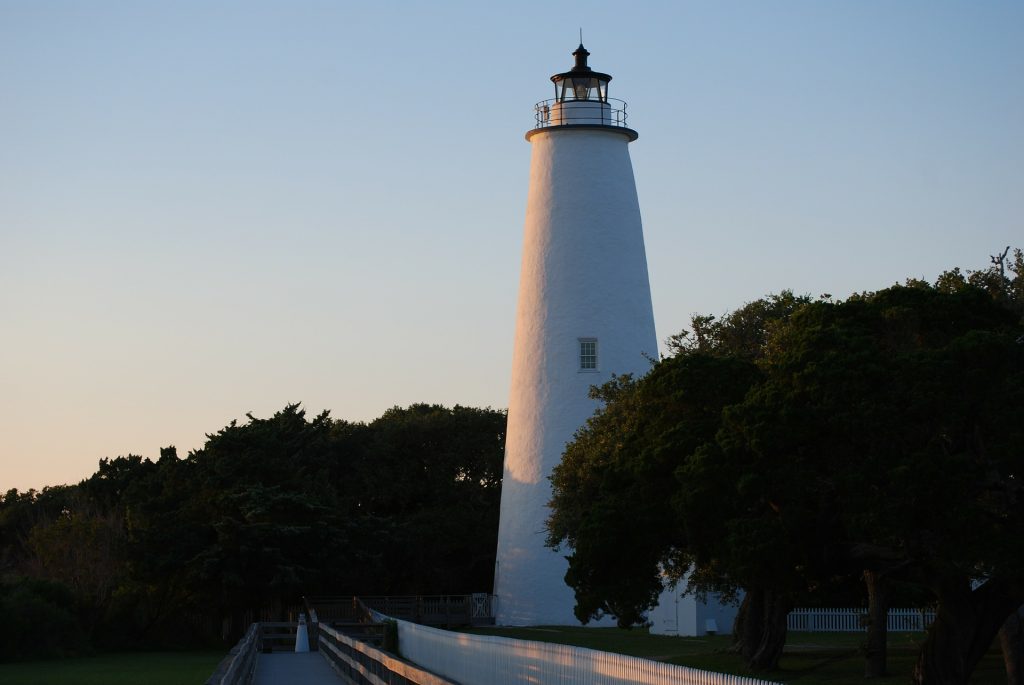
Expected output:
(617, 497)
(19, 512)
(617, 483)
(742, 333)
(81, 548)
(1003, 280)
(175, 550)
(796, 443)
(39, 621)
(434, 474)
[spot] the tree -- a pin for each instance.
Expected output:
(1010, 639)
(267, 510)
(878, 434)
(264, 520)
(39, 621)
(619, 507)
(432, 476)
(902, 411)
(83, 549)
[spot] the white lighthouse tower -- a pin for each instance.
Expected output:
(584, 314)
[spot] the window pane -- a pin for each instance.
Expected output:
(588, 354)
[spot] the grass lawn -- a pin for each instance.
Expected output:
(809, 658)
(124, 668)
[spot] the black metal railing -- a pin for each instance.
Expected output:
(554, 112)
(444, 611)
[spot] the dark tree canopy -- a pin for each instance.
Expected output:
(797, 442)
(266, 511)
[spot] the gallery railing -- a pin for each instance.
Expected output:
(608, 112)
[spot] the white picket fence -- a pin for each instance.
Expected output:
(489, 660)
(850, 620)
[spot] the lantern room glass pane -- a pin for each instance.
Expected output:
(583, 87)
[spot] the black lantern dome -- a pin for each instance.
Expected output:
(581, 82)
(581, 102)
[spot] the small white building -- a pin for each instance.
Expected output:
(686, 616)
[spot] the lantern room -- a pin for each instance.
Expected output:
(581, 82)
(581, 100)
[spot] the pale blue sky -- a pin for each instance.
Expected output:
(209, 208)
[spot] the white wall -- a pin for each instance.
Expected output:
(686, 616)
(584, 275)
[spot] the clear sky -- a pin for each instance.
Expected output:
(212, 208)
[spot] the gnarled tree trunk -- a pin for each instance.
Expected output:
(876, 649)
(966, 625)
(1011, 639)
(759, 633)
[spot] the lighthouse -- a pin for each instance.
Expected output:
(584, 314)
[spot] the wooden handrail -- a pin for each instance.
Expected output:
(236, 668)
(361, 662)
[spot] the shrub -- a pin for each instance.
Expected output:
(39, 621)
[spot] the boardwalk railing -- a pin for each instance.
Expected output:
(236, 668)
(277, 636)
(489, 660)
(265, 636)
(364, 664)
(852, 620)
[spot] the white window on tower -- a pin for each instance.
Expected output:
(588, 354)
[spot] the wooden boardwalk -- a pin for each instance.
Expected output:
(294, 668)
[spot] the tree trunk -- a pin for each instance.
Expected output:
(1011, 639)
(966, 624)
(747, 627)
(759, 633)
(876, 649)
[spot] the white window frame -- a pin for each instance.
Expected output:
(580, 342)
